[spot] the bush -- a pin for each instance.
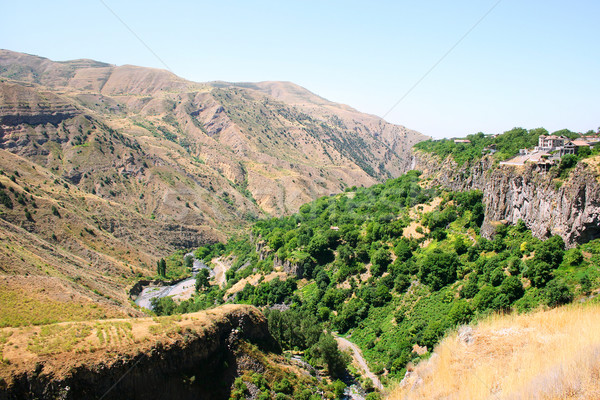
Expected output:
(401, 283)
(539, 272)
(485, 298)
(512, 288)
(470, 289)
(284, 386)
(438, 269)
(558, 293)
(380, 260)
(460, 246)
(460, 313)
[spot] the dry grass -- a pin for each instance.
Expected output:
(115, 332)
(551, 354)
(19, 307)
(58, 338)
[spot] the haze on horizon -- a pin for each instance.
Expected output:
(526, 64)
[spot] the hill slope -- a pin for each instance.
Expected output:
(552, 354)
(394, 267)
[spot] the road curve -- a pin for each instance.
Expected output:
(345, 344)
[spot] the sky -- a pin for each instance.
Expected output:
(527, 63)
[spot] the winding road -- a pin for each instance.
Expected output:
(356, 354)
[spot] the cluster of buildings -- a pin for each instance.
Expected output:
(550, 149)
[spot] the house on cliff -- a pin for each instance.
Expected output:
(548, 152)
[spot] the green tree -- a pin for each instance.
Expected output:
(161, 267)
(188, 261)
(460, 312)
(163, 305)
(558, 293)
(460, 246)
(202, 280)
(327, 353)
(512, 288)
(380, 260)
(438, 269)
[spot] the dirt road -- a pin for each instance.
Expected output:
(358, 359)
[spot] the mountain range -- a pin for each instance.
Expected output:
(106, 168)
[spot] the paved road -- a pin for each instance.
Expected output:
(359, 360)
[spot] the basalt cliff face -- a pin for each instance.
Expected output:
(567, 207)
(197, 356)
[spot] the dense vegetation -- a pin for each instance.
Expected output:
(395, 265)
(506, 145)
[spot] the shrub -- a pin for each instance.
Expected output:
(558, 293)
(380, 260)
(512, 288)
(485, 298)
(460, 313)
(284, 386)
(539, 272)
(438, 269)
(470, 289)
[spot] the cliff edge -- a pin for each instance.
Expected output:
(192, 356)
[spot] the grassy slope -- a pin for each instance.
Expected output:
(550, 354)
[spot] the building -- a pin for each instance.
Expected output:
(550, 143)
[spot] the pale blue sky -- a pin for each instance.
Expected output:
(529, 63)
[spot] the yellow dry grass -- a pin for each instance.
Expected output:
(553, 354)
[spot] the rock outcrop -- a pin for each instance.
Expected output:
(548, 206)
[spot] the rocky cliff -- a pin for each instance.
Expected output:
(196, 356)
(549, 206)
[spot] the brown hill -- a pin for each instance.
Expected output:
(139, 162)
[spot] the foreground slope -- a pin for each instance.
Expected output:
(553, 354)
(140, 357)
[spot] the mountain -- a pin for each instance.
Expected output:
(107, 168)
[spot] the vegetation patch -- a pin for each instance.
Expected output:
(19, 308)
(58, 338)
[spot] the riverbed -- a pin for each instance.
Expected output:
(182, 290)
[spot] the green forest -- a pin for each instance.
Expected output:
(394, 265)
